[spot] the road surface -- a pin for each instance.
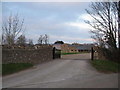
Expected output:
(74, 72)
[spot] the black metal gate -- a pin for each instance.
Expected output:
(56, 53)
(92, 53)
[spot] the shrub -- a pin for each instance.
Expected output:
(112, 55)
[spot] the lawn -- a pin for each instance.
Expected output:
(14, 67)
(73, 53)
(106, 66)
(0, 69)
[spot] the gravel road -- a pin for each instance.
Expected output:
(72, 71)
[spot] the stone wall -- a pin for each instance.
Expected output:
(98, 54)
(33, 56)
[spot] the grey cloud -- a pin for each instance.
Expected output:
(50, 18)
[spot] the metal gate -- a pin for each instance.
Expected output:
(56, 53)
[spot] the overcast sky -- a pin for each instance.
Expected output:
(60, 21)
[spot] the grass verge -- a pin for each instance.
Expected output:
(73, 53)
(14, 67)
(106, 66)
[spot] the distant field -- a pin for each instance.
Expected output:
(73, 53)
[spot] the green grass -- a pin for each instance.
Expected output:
(106, 66)
(0, 69)
(73, 53)
(14, 67)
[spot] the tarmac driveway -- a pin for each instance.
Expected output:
(62, 73)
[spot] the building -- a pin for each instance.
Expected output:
(70, 48)
(83, 47)
(57, 46)
(67, 48)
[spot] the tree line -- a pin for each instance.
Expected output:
(12, 32)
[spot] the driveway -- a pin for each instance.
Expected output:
(84, 56)
(62, 73)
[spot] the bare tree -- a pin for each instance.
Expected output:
(104, 22)
(21, 40)
(3, 40)
(118, 5)
(40, 40)
(30, 42)
(46, 39)
(11, 29)
(0, 40)
(43, 39)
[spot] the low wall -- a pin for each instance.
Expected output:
(98, 54)
(33, 56)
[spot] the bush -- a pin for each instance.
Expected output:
(112, 55)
